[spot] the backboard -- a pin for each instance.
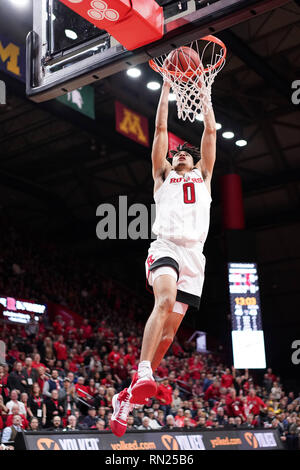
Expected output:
(65, 52)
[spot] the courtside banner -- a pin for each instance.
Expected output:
(263, 439)
(131, 124)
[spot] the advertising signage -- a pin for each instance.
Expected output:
(180, 440)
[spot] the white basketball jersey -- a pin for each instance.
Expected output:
(182, 207)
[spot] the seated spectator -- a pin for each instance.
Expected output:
(187, 424)
(100, 425)
(222, 421)
(179, 418)
(161, 417)
(91, 388)
(238, 421)
(145, 424)
(188, 414)
(130, 423)
(34, 425)
(14, 401)
(16, 411)
(201, 423)
(139, 415)
(108, 380)
(170, 423)
(153, 423)
(100, 398)
(56, 424)
(91, 418)
(72, 424)
(10, 432)
(231, 422)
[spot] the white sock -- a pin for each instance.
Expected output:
(145, 365)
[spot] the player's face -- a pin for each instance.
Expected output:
(182, 160)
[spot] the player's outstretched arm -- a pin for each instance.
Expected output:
(160, 141)
(208, 145)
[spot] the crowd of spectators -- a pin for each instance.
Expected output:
(62, 376)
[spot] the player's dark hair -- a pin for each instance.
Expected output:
(193, 151)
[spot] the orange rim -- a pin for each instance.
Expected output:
(177, 73)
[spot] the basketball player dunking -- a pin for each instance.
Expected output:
(175, 263)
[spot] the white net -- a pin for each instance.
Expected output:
(191, 74)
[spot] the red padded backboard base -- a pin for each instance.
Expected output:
(133, 23)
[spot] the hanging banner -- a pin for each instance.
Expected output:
(12, 58)
(131, 124)
(82, 100)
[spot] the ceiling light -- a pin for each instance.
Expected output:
(70, 34)
(241, 143)
(153, 86)
(218, 126)
(228, 135)
(20, 3)
(134, 72)
(172, 97)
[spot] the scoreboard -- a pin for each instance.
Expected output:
(247, 332)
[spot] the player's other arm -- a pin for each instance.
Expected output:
(208, 145)
(160, 141)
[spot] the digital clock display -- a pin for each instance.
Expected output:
(247, 332)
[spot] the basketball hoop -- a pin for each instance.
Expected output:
(192, 86)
